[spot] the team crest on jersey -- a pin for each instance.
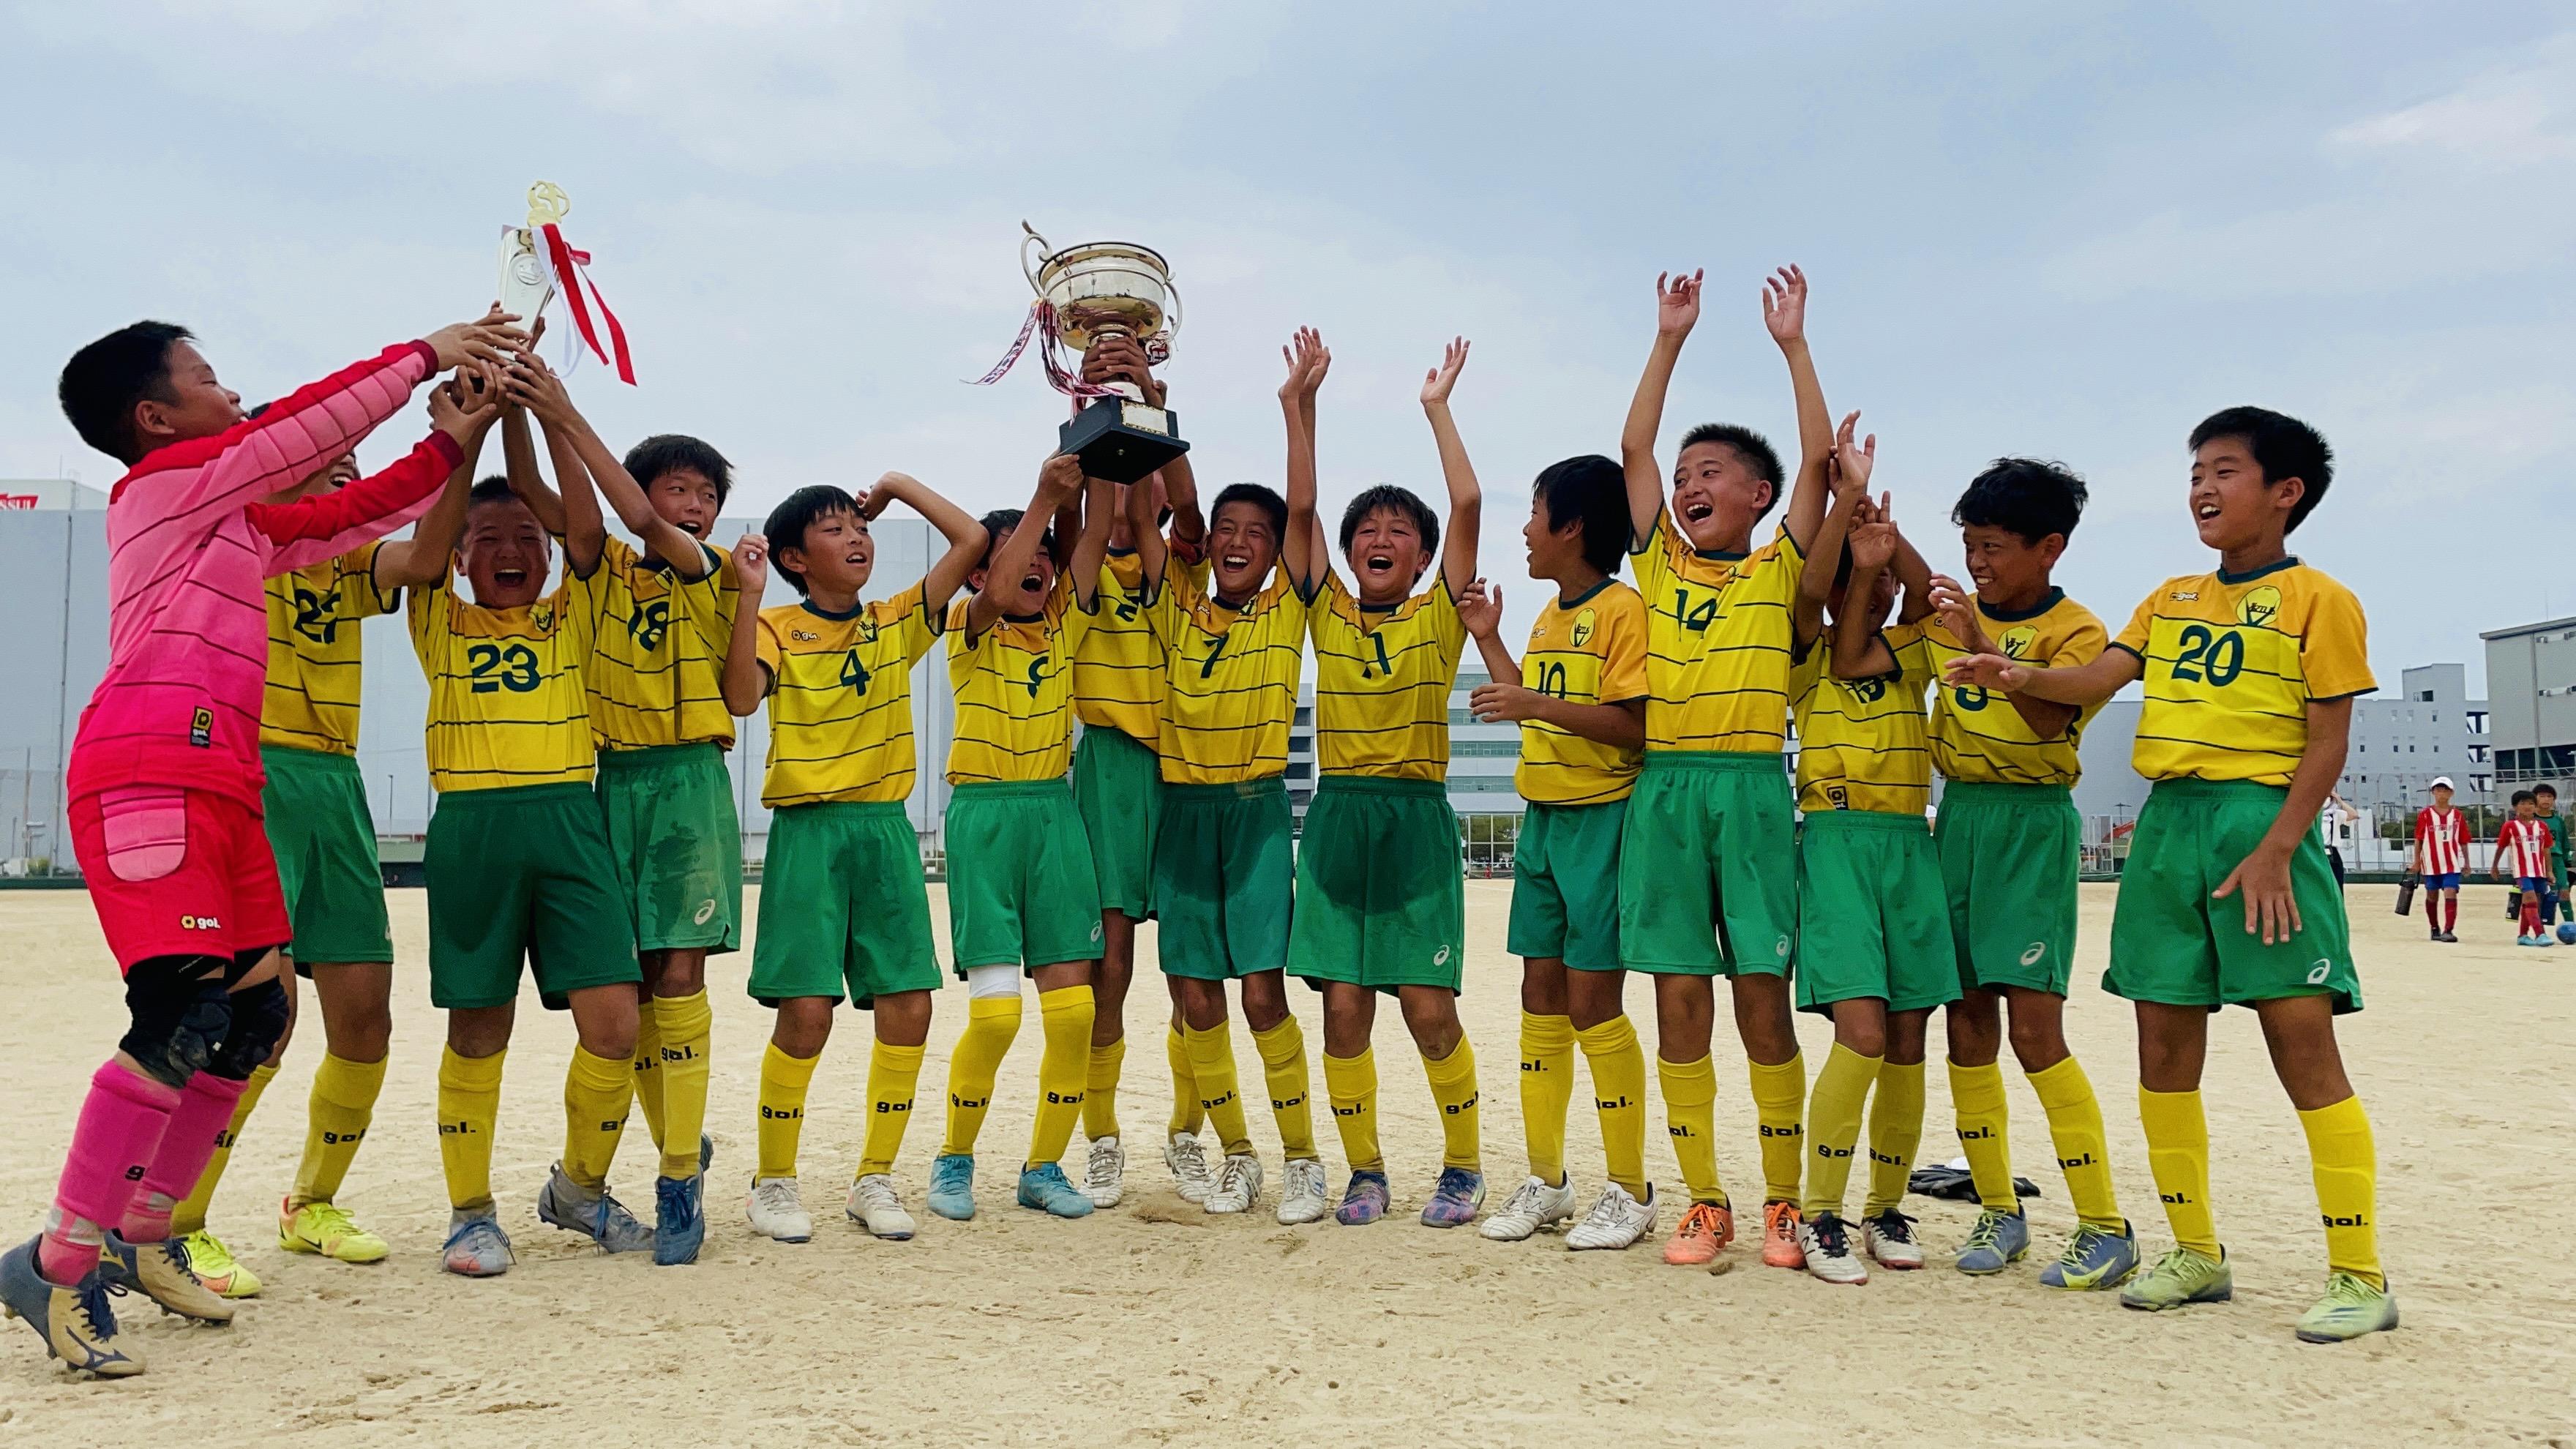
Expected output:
(1584, 624)
(867, 631)
(2260, 607)
(542, 616)
(2017, 641)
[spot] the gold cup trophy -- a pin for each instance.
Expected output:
(1085, 293)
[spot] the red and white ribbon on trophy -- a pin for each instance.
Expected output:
(1050, 355)
(572, 277)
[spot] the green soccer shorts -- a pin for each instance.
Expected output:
(1565, 884)
(1224, 874)
(2009, 857)
(1118, 787)
(842, 906)
(1708, 865)
(1021, 891)
(677, 844)
(315, 807)
(1870, 921)
(522, 874)
(1381, 887)
(2172, 943)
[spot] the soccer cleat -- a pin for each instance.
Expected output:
(1533, 1205)
(1702, 1234)
(75, 1322)
(597, 1216)
(1889, 1240)
(1364, 1200)
(321, 1228)
(1186, 1156)
(1301, 1191)
(1780, 1236)
(1104, 1173)
(1825, 1247)
(952, 1185)
(2350, 1309)
(215, 1267)
(2179, 1277)
(159, 1271)
(476, 1246)
(1616, 1220)
(1238, 1184)
(874, 1206)
(679, 1219)
(777, 1210)
(1455, 1197)
(1046, 1188)
(2094, 1258)
(706, 1153)
(1996, 1242)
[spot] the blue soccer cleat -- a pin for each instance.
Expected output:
(597, 1216)
(75, 1322)
(679, 1219)
(1046, 1188)
(2094, 1258)
(952, 1185)
(1997, 1242)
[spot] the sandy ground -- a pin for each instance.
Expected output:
(1155, 1324)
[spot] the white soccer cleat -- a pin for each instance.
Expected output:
(874, 1207)
(1827, 1243)
(1186, 1156)
(777, 1212)
(1237, 1186)
(1533, 1205)
(1616, 1220)
(1889, 1240)
(1104, 1173)
(1301, 1190)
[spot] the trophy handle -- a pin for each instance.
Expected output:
(1172, 313)
(1044, 251)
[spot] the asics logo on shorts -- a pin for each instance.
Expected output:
(2031, 954)
(2320, 971)
(1441, 957)
(200, 923)
(1095, 933)
(1781, 948)
(706, 912)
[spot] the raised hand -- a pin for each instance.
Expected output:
(1854, 459)
(1784, 305)
(889, 487)
(1677, 302)
(484, 339)
(1480, 608)
(465, 405)
(1119, 357)
(1059, 478)
(534, 386)
(1437, 382)
(1873, 541)
(1959, 614)
(1992, 671)
(751, 565)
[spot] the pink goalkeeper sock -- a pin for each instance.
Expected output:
(120, 1128)
(205, 1109)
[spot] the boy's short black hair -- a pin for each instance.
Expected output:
(2544, 788)
(1593, 491)
(1003, 520)
(798, 511)
(2521, 795)
(2283, 447)
(1267, 499)
(1401, 500)
(2029, 497)
(103, 382)
(1752, 447)
(494, 489)
(669, 453)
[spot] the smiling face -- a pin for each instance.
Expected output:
(686, 499)
(191, 403)
(1717, 496)
(2005, 565)
(2232, 505)
(1030, 596)
(505, 554)
(1242, 549)
(1386, 555)
(836, 555)
(1554, 554)
(339, 473)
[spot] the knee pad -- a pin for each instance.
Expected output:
(260, 1014)
(179, 1015)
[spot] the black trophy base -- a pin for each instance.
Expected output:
(1120, 440)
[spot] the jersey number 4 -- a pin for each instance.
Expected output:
(513, 669)
(854, 674)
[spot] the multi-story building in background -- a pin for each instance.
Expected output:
(2531, 677)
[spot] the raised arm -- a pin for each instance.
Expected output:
(327, 525)
(746, 680)
(1091, 543)
(519, 466)
(1308, 359)
(1676, 312)
(1060, 477)
(1480, 608)
(1466, 500)
(1824, 560)
(1146, 530)
(1784, 313)
(410, 562)
(965, 534)
(547, 397)
(1860, 652)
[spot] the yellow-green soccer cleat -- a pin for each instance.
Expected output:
(2179, 1277)
(214, 1266)
(76, 1323)
(2350, 1309)
(327, 1229)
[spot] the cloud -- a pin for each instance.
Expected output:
(2505, 120)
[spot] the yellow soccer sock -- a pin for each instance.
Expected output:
(1833, 1127)
(190, 1213)
(2178, 1159)
(596, 1092)
(783, 1080)
(1690, 1114)
(469, 1104)
(1212, 1075)
(2083, 1153)
(1453, 1088)
(1187, 1115)
(1895, 1131)
(2345, 1163)
(1283, 1071)
(342, 1107)
(1619, 1094)
(991, 1024)
(1977, 1101)
(1547, 1089)
(686, 1022)
(894, 1074)
(1351, 1083)
(1779, 1105)
(648, 1069)
(1064, 1017)
(1100, 1090)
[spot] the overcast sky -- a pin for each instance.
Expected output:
(2029, 230)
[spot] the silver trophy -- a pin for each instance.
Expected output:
(527, 275)
(1096, 290)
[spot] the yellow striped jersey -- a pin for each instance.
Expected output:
(507, 704)
(2232, 663)
(657, 675)
(840, 698)
(1233, 678)
(314, 664)
(1861, 743)
(1015, 691)
(1591, 650)
(1717, 641)
(1382, 679)
(1118, 667)
(1978, 736)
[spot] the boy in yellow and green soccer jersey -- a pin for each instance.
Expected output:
(842, 905)
(658, 716)
(2008, 841)
(1380, 887)
(1581, 704)
(1708, 865)
(2250, 675)
(1022, 895)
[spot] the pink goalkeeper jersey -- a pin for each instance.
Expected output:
(189, 546)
